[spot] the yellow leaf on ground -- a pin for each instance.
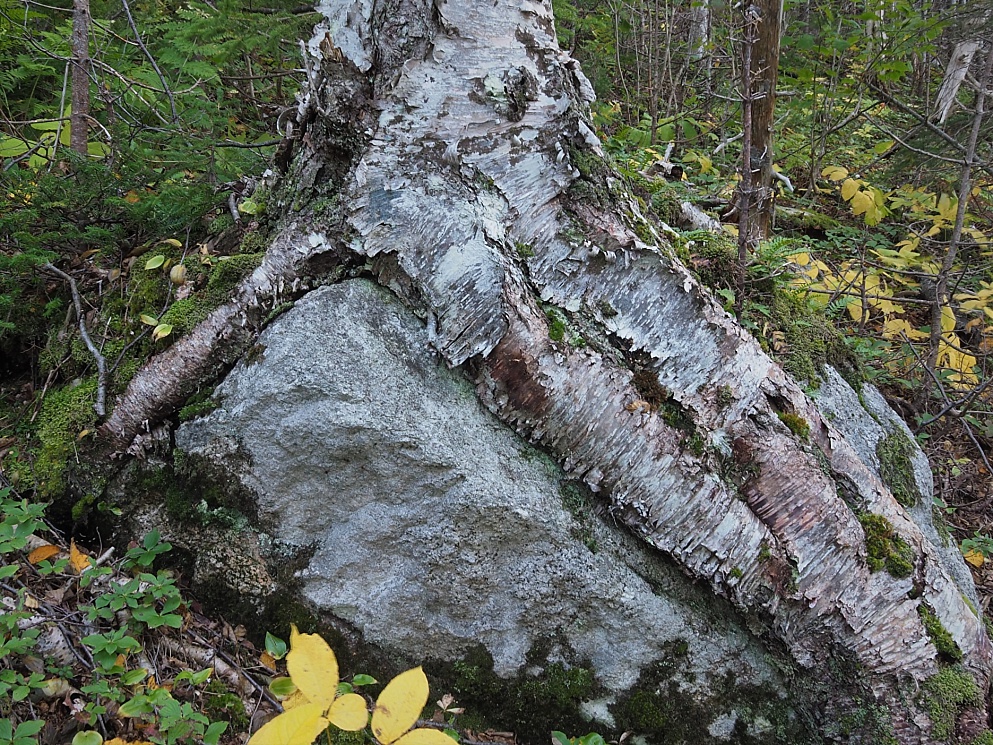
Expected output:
(43, 552)
(425, 737)
(298, 727)
(399, 705)
(349, 713)
(77, 559)
(975, 558)
(267, 660)
(313, 667)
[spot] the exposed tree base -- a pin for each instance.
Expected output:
(482, 199)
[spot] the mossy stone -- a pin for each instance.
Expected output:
(896, 467)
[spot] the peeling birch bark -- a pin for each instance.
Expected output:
(481, 141)
(955, 72)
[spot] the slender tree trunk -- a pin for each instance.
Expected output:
(443, 151)
(765, 73)
(746, 187)
(80, 76)
(965, 189)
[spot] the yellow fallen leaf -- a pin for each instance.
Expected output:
(268, 661)
(161, 331)
(313, 667)
(77, 559)
(297, 727)
(399, 705)
(349, 713)
(975, 557)
(43, 552)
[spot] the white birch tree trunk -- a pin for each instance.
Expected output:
(455, 140)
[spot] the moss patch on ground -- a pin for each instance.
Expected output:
(885, 548)
(65, 414)
(531, 704)
(896, 467)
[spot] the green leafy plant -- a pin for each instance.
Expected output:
(23, 735)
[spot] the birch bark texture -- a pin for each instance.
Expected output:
(469, 181)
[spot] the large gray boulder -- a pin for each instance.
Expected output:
(434, 528)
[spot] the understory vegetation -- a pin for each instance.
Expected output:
(879, 263)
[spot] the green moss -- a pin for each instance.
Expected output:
(885, 548)
(713, 257)
(809, 341)
(590, 165)
(197, 405)
(230, 271)
(869, 723)
(796, 424)
(939, 635)
(984, 738)
(791, 219)
(765, 553)
(559, 330)
(341, 737)
(737, 573)
(528, 704)
(524, 250)
(895, 452)
(255, 242)
(65, 413)
(183, 315)
(695, 444)
(644, 232)
(944, 696)
(667, 204)
(223, 706)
